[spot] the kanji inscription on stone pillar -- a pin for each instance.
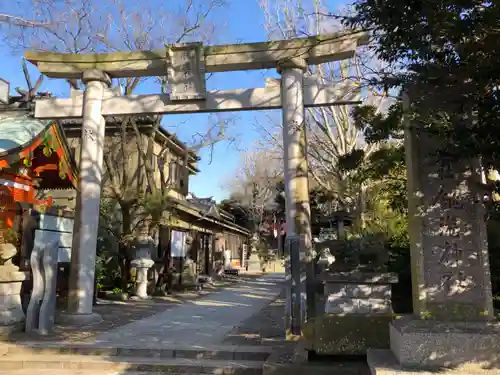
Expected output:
(449, 249)
(186, 71)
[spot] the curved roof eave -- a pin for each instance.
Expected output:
(20, 131)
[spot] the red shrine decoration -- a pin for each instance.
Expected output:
(34, 157)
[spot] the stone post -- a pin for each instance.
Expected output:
(452, 298)
(49, 242)
(298, 212)
(83, 252)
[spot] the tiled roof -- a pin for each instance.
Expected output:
(17, 128)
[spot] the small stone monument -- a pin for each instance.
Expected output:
(254, 262)
(357, 312)
(354, 295)
(11, 312)
(357, 299)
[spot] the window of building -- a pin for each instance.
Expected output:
(172, 173)
(178, 177)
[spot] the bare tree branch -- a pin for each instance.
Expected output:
(254, 186)
(89, 26)
(331, 132)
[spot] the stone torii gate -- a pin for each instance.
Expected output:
(185, 66)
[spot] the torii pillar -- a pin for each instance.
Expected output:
(83, 252)
(298, 211)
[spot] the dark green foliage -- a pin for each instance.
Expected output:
(111, 262)
(352, 160)
(377, 126)
(446, 52)
(348, 334)
(449, 50)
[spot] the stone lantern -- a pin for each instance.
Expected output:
(340, 220)
(142, 262)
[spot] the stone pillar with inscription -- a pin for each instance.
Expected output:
(452, 298)
(83, 253)
(298, 212)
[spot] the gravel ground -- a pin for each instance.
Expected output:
(264, 328)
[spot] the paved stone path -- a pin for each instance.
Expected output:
(206, 321)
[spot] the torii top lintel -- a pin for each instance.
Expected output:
(232, 57)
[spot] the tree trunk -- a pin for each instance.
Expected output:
(125, 265)
(362, 207)
(124, 248)
(164, 283)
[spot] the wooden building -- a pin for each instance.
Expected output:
(195, 232)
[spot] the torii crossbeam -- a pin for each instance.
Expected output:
(185, 66)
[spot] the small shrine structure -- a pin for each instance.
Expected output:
(34, 160)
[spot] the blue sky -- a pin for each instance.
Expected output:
(240, 21)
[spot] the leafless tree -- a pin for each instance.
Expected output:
(330, 130)
(20, 19)
(92, 26)
(79, 26)
(254, 185)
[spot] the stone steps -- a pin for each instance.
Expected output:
(89, 358)
(217, 352)
(88, 363)
(75, 372)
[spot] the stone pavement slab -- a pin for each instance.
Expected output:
(201, 322)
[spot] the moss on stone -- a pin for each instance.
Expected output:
(308, 333)
(278, 44)
(454, 311)
(348, 334)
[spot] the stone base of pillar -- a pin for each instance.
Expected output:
(426, 345)
(5, 331)
(67, 318)
(383, 362)
(11, 312)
